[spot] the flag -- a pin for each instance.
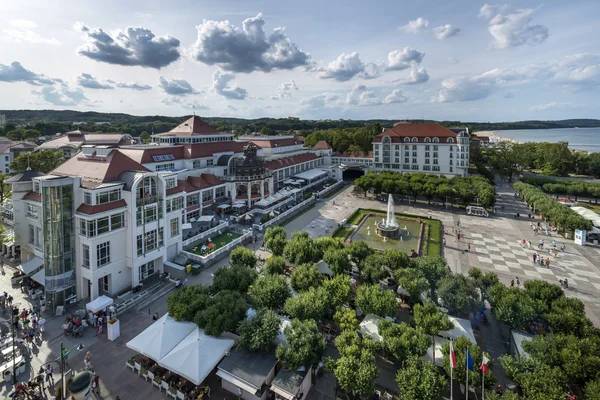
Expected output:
(484, 366)
(452, 356)
(469, 361)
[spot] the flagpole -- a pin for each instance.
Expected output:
(467, 373)
(483, 384)
(451, 368)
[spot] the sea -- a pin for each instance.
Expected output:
(587, 139)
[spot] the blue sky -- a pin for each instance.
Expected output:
(457, 60)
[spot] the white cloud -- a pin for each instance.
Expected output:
(318, 102)
(248, 49)
(184, 103)
(417, 75)
(15, 72)
(360, 96)
(221, 86)
(445, 31)
(551, 106)
(62, 95)
(344, 68)
(88, 81)
(399, 60)
(396, 97)
(512, 27)
(177, 87)
(284, 90)
(465, 89)
(23, 31)
(415, 26)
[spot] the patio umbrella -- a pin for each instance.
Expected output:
(211, 245)
(248, 217)
(272, 214)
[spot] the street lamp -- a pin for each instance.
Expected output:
(61, 362)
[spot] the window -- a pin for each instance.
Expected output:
(435, 161)
(406, 139)
(406, 153)
(414, 167)
(174, 227)
(85, 256)
(414, 160)
(207, 195)
(209, 163)
(427, 140)
(31, 234)
(117, 221)
(164, 157)
(220, 192)
(193, 200)
(32, 211)
(87, 198)
(161, 238)
(145, 270)
(171, 183)
(450, 169)
(150, 214)
(435, 154)
(427, 147)
(414, 147)
(450, 156)
(165, 167)
(36, 187)
(427, 161)
(105, 197)
(436, 140)
(406, 160)
(102, 225)
(427, 154)
(426, 167)
(103, 253)
(435, 148)
(197, 164)
(175, 204)
(414, 153)
(395, 166)
(104, 284)
(436, 168)
(450, 162)
(415, 140)
(405, 166)
(450, 140)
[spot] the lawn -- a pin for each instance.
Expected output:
(219, 241)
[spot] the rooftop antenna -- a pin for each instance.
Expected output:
(194, 107)
(28, 158)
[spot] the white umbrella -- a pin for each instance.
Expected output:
(272, 214)
(248, 217)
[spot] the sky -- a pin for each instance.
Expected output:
(392, 59)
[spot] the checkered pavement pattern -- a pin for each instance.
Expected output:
(506, 256)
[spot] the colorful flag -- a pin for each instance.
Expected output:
(469, 361)
(484, 366)
(452, 356)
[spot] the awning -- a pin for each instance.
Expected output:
(369, 327)
(224, 206)
(236, 382)
(100, 303)
(31, 265)
(310, 174)
(205, 218)
(186, 226)
(40, 277)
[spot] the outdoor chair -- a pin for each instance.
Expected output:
(173, 395)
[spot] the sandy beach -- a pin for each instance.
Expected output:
(494, 138)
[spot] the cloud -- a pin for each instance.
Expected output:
(88, 81)
(319, 101)
(62, 95)
(396, 97)
(415, 26)
(284, 90)
(510, 27)
(417, 75)
(551, 106)
(221, 86)
(360, 96)
(134, 86)
(129, 47)
(344, 68)
(399, 60)
(445, 31)
(465, 89)
(16, 73)
(23, 31)
(248, 49)
(178, 87)
(177, 101)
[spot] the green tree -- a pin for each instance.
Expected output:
(4, 188)
(235, 277)
(507, 158)
(275, 265)
(339, 290)
(338, 260)
(183, 303)
(345, 319)
(536, 381)
(373, 299)
(270, 291)
(459, 294)
(592, 389)
(145, 137)
(394, 259)
(567, 315)
(412, 281)
(275, 240)
(402, 341)
(42, 161)
(258, 332)
(221, 313)
(265, 131)
(306, 276)
(242, 256)
(433, 268)
(372, 270)
(420, 380)
(305, 345)
(325, 243)
(431, 320)
(516, 309)
(310, 304)
(359, 251)
(300, 249)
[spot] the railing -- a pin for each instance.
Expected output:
(144, 201)
(231, 178)
(330, 188)
(204, 234)
(219, 251)
(286, 214)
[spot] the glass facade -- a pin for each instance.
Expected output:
(59, 244)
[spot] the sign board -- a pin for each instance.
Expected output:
(580, 237)
(60, 310)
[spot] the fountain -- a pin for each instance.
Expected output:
(388, 228)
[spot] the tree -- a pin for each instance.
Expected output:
(516, 309)
(373, 299)
(459, 294)
(412, 281)
(311, 304)
(265, 131)
(355, 370)
(275, 240)
(145, 137)
(183, 303)
(536, 381)
(507, 158)
(567, 315)
(306, 276)
(270, 291)
(483, 281)
(339, 290)
(338, 261)
(275, 265)
(431, 320)
(402, 341)
(258, 332)
(4, 188)
(325, 243)
(300, 249)
(394, 259)
(243, 256)
(42, 161)
(420, 380)
(345, 319)
(372, 269)
(592, 389)
(544, 291)
(460, 352)
(221, 313)
(235, 277)
(359, 251)
(434, 268)
(305, 345)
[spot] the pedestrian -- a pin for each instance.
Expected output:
(518, 283)
(95, 384)
(468, 246)
(547, 262)
(10, 300)
(444, 242)
(529, 244)
(88, 360)
(155, 316)
(562, 248)
(512, 283)
(39, 379)
(49, 377)
(99, 327)
(458, 236)
(534, 257)
(499, 389)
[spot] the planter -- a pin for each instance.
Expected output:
(114, 330)
(7, 376)
(20, 368)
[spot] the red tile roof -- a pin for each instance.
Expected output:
(96, 170)
(194, 183)
(287, 161)
(420, 131)
(99, 208)
(191, 127)
(197, 150)
(77, 138)
(271, 143)
(33, 196)
(322, 145)
(174, 190)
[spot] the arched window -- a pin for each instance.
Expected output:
(450, 140)
(427, 140)
(406, 140)
(386, 139)
(436, 140)
(415, 140)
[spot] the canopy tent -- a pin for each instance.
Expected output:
(205, 218)
(186, 226)
(195, 356)
(31, 265)
(40, 277)
(224, 206)
(161, 337)
(439, 357)
(310, 174)
(99, 304)
(369, 327)
(462, 327)
(289, 182)
(588, 214)
(239, 204)
(248, 217)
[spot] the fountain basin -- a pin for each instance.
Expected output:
(387, 231)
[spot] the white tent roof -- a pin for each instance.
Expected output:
(196, 355)
(40, 277)
(31, 265)
(161, 337)
(205, 218)
(369, 327)
(99, 304)
(588, 214)
(280, 339)
(311, 174)
(462, 327)
(224, 206)
(439, 358)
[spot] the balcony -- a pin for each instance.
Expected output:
(146, 200)
(235, 178)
